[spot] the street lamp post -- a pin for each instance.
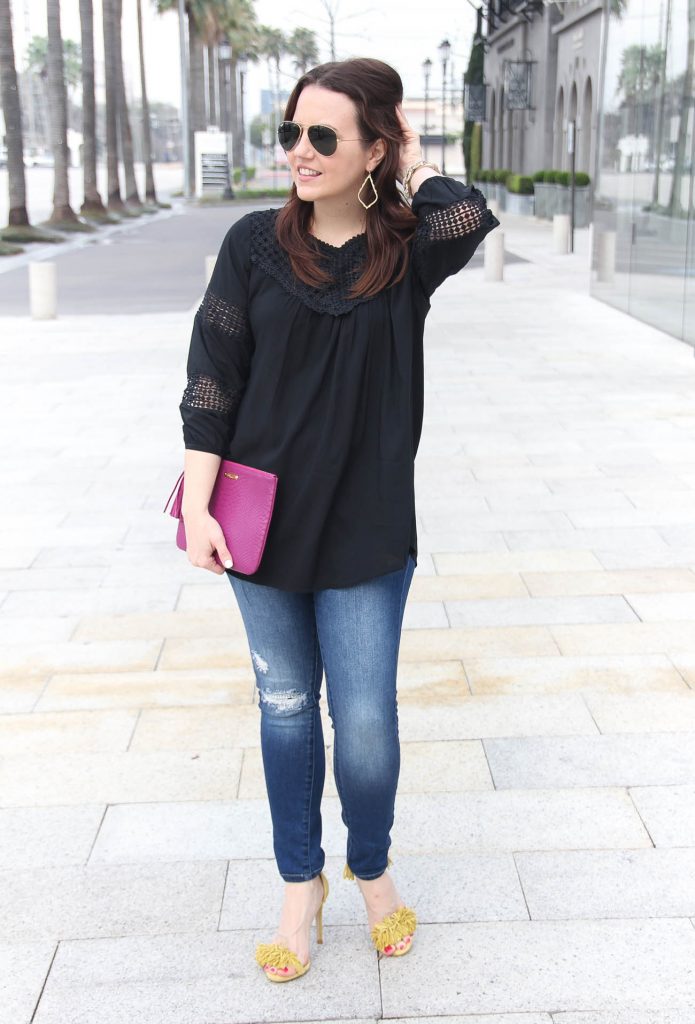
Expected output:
(444, 49)
(427, 68)
(242, 64)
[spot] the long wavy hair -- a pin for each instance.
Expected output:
(375, 88)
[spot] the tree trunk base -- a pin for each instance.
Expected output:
(28, 233)
(71, 226)
(18, 217)
(7, 249)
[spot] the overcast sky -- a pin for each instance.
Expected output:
(363, 29)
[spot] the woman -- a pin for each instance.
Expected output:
(306, 360)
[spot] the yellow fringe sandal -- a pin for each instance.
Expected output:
(399, 926)
(281, 958)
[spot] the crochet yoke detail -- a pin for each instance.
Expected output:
(344, 262)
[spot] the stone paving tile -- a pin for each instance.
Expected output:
(643, 712)
(163, 688)
(682, 1015)
(19, 630)
(85, 599)
(40, 577)
(23, 970)
(34, 837)
(167, 623)
(628, 673)
(540, 560)
(468, 586)
(634, 581)
(19, 693)
(49, 780)
(608, 883)
(523, 966)
(522, 611)
(230, 650)
(465, 887)
(655, 759)
(38, 658)
(427, 644)
(664, 607)
(109, 900)
(483, 715)
(668, 813)
(66, 732)
(208, 978)
(624, 638)
(198, 728)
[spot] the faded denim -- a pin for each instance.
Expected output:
(353, 635)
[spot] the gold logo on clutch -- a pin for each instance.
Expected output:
(232, 476)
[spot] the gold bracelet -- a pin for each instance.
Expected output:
(411, 170)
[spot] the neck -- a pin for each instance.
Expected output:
(338, 217)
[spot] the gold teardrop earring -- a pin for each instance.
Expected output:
(376, 194)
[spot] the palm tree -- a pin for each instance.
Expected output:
(63, 213)
(150, 194)
(132, 198)
(302, 45)
(239, 28)
(113, 188)
(273, 46)
(92, 205)
(9, 97)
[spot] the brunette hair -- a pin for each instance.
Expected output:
(375, 88)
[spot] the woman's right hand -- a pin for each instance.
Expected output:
(204, 536)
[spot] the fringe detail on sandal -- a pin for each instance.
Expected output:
(393, 928)
(278, 956)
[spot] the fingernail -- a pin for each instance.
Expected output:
(228, 564)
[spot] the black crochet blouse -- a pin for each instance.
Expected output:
(324, 390)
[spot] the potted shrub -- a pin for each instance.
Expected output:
(543, 190)
(520, 198)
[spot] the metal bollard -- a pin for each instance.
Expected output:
(210, 262)
(43, 290)
(561, 232)
(605, 261)
(493, 256)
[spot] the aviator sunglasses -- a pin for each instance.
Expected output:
(324, 139)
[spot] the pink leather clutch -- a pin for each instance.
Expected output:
(242, 502)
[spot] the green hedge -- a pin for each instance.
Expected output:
(581, 178)
(520, 183)
(250, 174)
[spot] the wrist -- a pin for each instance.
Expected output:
(420, 175)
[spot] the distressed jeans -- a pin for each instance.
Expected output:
(353, 634)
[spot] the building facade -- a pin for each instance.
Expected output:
(561, 43)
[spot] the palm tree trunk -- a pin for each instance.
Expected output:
(237, 142)
(114, 201)
(213, 109)
(92, 200)
(57, 102)
(196, 105)
(9, 98)
(150, 194)
(131, 188)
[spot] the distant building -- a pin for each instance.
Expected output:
(541, 70)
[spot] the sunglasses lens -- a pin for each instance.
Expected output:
(288, 134)
(323, 139)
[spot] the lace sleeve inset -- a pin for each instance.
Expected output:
(217, 368)
(453, 220)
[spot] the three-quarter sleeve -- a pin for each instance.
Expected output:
(220, 350)
(453, 219)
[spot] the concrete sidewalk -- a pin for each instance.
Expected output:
(545, 820)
